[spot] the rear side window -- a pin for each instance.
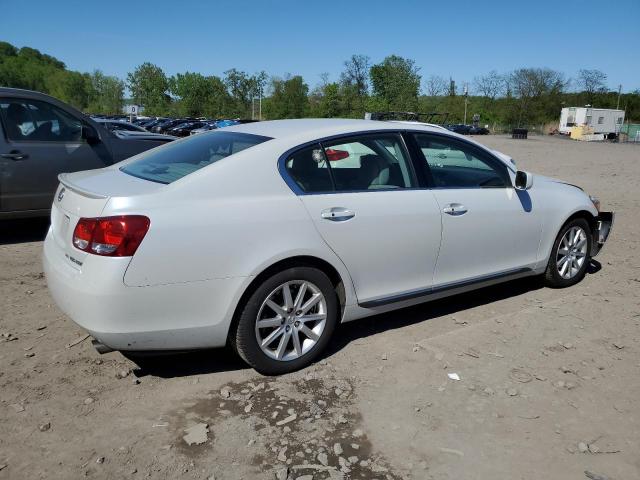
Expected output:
(179, 159)
(309, 169)
(371, 162)
(354, 164)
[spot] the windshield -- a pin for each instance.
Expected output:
(179, 159)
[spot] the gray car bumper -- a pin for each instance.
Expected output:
(604, 224)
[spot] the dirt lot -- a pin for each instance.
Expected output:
(549, 379)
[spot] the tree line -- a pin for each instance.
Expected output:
(522, 97)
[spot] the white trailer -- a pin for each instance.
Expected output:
(602, 120)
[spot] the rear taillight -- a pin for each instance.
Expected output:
(111, 236)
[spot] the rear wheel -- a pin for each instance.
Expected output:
(570, 254)
(287, 321)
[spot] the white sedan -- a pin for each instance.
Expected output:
(267, 235)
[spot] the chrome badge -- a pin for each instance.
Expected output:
(61, 194)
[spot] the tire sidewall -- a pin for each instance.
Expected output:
(552, 276)
(245, 338)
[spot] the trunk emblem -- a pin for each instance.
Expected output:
(61, 194)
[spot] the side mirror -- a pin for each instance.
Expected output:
(524, 180)
(90, 134)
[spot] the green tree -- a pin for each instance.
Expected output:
(149, 86)
(289, 98)
(71, 87)
(241, 87)
(197, 95)
(538, 93)
(106, 93)
(27, 68)
(7, 50)
(397, 82)
(329, 105)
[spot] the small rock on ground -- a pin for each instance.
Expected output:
(197, 434)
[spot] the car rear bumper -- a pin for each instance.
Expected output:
(177, 316)
(604, 224)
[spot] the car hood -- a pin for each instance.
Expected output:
(556, 180)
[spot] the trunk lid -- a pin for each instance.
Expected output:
(85, 195)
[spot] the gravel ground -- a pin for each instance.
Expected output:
(549, 379)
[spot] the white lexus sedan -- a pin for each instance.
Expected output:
(266, 235)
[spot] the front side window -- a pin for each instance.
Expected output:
(36, 121)
(178, 159)
(452, 164)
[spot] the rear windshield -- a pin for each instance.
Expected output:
(179, 159)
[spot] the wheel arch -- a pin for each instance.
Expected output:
(550, 239)
(283, 264)
(587, 215)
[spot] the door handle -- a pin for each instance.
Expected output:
(337, 214)
(455, 209)
(15, 155)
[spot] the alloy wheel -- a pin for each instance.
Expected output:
(291, 320)
(572, 252)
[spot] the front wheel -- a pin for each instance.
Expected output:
(287, 321)
(570, 255)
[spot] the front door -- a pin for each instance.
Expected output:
(41, 141)
(488, 227)
(361, 195)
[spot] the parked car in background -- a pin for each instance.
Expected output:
(215, 124)
(460, 128)
(166, 125)
(118, 125)
(41, 137)
(184, 129)
(205, 128)
(147, 123)
(473, 130)
(340, 220)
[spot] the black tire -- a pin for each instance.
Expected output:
(552, 277)
(244, 340)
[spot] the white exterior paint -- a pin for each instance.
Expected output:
(602, 120)
(213, 231)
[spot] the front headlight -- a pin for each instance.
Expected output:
(596, 202)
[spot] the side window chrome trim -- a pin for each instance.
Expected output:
(295, 188)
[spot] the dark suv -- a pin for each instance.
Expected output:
(41, 137)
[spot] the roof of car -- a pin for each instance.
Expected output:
(298, 131)
(314, 128)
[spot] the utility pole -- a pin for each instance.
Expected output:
(466, 93)
(619, 92)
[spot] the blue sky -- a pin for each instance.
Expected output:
(456, 38)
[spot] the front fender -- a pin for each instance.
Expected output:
(558, 202)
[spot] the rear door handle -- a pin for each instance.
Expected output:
(455, 209)
(337, 214)
(15, 156)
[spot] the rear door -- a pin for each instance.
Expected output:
(488, 227)
(361, 193)
(41, 141)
